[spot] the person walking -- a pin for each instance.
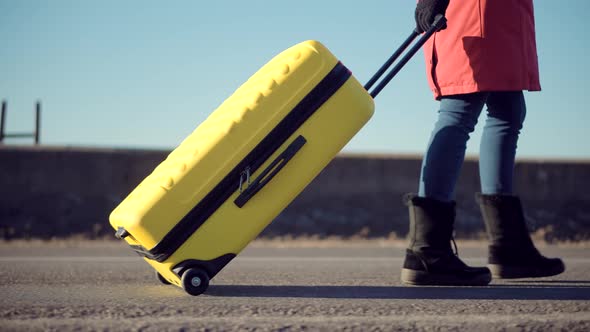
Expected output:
(485, 56)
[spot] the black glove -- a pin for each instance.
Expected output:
(426, 11)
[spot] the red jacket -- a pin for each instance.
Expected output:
(489, 45)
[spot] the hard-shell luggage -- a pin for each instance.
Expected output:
(246, 162)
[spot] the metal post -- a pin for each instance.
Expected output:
(37, 122)
(2, 118)
(35, 135)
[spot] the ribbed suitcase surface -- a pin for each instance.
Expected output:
(220, 142)
(245, 163)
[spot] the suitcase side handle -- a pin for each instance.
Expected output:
(273, 169)
(439, 22)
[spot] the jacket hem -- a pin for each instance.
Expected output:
(443, 91)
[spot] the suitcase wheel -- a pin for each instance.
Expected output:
(162, 279)
(195, 281)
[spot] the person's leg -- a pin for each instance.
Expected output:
(505, 116)
(512, 253)
(430, 259)
(444, 156)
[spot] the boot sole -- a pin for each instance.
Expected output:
(422, 278)
(511, 272)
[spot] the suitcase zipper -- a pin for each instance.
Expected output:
(273, 169)
(245, 173)
(255, 159)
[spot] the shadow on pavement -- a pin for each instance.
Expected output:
(493, 292)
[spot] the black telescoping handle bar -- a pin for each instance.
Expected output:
(438, 23)
(391, 60)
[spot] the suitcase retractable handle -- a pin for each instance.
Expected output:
(438, 23)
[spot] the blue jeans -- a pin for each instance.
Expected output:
(456, 120)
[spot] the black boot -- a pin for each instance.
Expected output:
(430, 259)
(512, 253)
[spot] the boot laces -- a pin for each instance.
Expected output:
(456, 250)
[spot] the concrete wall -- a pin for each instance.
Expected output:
(59, 192)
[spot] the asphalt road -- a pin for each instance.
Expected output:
(103, 286)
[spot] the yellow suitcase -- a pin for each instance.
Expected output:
(244, 164)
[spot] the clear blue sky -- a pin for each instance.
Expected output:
(145, 73)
